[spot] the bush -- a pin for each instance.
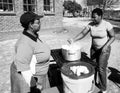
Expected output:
(72, 7)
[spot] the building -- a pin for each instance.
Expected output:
(11, 10)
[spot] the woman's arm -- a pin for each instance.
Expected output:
(111, 35)
(80, 35)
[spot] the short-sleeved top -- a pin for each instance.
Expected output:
(26, 47)
(99, 33)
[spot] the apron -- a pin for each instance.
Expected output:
(38, 81)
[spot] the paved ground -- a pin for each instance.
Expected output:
(56, 38)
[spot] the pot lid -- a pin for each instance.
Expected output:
(71, 47)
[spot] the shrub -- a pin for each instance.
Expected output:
(72, 7)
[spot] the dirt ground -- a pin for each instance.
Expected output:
(55, 39)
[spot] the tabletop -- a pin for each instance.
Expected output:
(57, 56)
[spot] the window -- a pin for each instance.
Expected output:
(6, 6)
(29, 5)
(49, 6)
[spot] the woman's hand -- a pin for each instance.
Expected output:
(104, 49)
(70, 41)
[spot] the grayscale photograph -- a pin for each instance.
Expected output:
(59, 46)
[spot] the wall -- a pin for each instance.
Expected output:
(10, 22)
(54, 20)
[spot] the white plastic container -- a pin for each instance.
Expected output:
(71, 52)
(77, 86)
(81, 84)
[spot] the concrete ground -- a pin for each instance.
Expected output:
(55, 39)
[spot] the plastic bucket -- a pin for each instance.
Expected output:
(82, 84)
(71, 52)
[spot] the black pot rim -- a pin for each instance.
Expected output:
(66, 73)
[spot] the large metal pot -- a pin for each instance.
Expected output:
(71, 52)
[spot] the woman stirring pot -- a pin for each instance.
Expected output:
(102, 34)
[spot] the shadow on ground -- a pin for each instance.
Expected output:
(114, 76)
(117, 30)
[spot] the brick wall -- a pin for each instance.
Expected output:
(54, 20)
(10, 22)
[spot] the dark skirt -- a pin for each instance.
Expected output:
(19, 85)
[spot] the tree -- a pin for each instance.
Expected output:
(108, 9)
(104, 3)
(72, 7)
(109, 3)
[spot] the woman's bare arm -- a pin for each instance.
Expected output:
(81, 34)
(111, 35)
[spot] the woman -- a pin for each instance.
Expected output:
(102, 37)
(31, 62)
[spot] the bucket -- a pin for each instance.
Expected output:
(71, 52)
(75, 84)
